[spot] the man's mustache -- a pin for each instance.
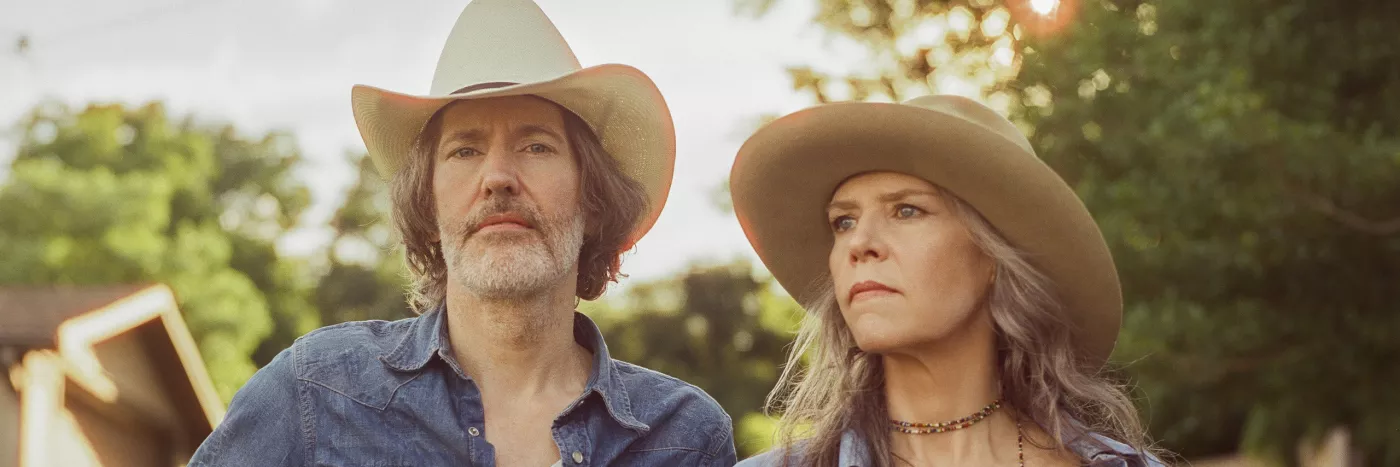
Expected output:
(498, 206)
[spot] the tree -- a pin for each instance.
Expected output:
(366, 278)
(111, 194)
(722, 328)
(1243, 161)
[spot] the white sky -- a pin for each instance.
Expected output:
(289, 64)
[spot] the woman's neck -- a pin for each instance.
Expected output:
(944, 381)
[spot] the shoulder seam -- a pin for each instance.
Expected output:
(718, 436)
(308, 432)
(632, 368)
(366, 324)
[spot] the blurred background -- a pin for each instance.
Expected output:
(1241, 157)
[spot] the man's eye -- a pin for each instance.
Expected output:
(843, 223)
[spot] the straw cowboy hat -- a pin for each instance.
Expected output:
(509, 48)
(786, 173)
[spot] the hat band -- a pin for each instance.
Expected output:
(480, 86)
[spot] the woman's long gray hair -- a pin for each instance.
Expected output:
(841, 388)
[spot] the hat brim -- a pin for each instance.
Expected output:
(785, 175)
(620, 103)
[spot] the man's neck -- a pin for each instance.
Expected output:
(523, 358)
(945, 381)
(520, 347)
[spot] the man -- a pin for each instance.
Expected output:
(515, 191)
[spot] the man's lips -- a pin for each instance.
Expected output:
(869, 289)
(503, 221)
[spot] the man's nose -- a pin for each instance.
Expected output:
(500, 175)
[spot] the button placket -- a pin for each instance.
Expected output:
(469, 404)
(571, 437)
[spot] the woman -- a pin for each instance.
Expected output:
(960, 299)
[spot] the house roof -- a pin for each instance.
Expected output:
(30, 315)
(73, 323)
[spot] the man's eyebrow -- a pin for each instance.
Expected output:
(471, 135)
(533, 129)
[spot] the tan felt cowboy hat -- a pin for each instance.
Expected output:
(509, 48)
(786, 173)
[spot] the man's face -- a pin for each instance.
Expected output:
(506, 188)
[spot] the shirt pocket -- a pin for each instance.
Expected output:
(383, 439)
(341, 455)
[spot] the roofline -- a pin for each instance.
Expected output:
(76, 337)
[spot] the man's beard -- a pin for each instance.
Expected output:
(512, 265)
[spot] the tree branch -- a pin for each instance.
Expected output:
(1350, 219)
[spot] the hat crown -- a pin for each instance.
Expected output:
(975, 112)
(501, 41)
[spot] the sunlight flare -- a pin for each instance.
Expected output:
(1044, 7)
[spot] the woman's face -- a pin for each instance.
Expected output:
(904, 266)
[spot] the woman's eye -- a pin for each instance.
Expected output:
(843, 223)
(907, 211)
(465, 152)
(538, 148)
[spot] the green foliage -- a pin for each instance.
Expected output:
(754, 432)
(111, 194)
(366, 277)
(719, 328)
(1243, 161)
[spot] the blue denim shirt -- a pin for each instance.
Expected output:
(379, 393)
(1099, 452)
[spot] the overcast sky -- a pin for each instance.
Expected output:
(289, 64)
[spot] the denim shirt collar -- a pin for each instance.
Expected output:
(854, 451)
(427, 337)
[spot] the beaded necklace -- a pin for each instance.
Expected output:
(914, 428)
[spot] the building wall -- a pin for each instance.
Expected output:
(9, 421)
(83, 436)
(128, 364)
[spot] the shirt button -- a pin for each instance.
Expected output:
(578, 457)
(473, 431)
